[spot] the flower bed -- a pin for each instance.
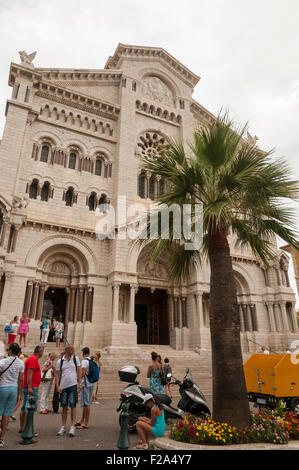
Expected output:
(271, 426)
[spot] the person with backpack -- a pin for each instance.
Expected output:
(11, 379)
(90, 375)
(167, 370)
(68, 385)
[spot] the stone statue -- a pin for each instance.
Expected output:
(26, 59)
(121, 307)
(20, 203)
(252, 140)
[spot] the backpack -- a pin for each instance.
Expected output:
(7, 328)
(163, 376)
(167, 370)
(93, 372)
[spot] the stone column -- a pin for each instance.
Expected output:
(249, 316)
(271, 316)
(6, 291)
(199, 310)
(27, 298)
(242, 326)
(40, 302)
(89, 303)
(33, 305)
(80, 304)
(115, 287)
(3, 233)
(284, 316)
(72, 304)
(294, 316)
(175, 299)
(170, 311)
(245, 317)
(14, 239)
(67, 306)
(133, 290)
(254, 317)
(179, 312)
(276, 313)
(184, 313)
(147, 184)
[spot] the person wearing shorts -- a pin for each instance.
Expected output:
(86, 391)
(31, 382)
(11, 378)
(68, 384)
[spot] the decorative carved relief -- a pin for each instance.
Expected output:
(154, 270)
(155, 89)
(60, 268)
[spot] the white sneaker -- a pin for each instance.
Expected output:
(1, 443)
(72, 431)
(61, 431)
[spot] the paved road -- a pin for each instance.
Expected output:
(102, 434)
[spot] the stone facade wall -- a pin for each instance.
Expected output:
(142, 93)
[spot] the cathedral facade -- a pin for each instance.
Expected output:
(71, 148)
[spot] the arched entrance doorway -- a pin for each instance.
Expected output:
(152, 301)
(151, 316)
(54, 307)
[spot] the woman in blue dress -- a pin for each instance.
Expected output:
(154, 374)
(154, 426)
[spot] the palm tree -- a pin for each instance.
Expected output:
(243, 191)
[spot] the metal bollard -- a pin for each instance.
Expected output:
(123, 442)
(28, 432)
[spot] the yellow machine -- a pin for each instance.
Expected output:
(272, 377)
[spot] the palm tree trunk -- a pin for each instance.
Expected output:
(230, 399)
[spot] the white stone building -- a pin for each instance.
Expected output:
(72, 140)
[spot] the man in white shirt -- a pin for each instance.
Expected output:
(68, 384)
(11, 379)
(86, 390)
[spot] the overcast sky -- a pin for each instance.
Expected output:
(246, 53)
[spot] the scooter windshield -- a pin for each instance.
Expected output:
(195, 388)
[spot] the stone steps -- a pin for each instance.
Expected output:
(111, 387)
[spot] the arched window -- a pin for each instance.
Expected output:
(98, 167)
(72, 161)
(161, 186)
(69, 197)
(92, 200)
(44, 155)
(152, 184)
(33, 190)
(103, 203)
(142, 185)
(45, 192)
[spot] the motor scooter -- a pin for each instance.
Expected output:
(192, 399)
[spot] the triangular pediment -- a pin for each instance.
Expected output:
(126, 52)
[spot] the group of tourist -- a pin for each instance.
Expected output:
(50, 330)
(21, 377)
(19, 381)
